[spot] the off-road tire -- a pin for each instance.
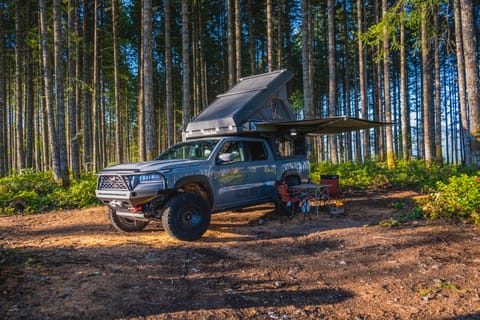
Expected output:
(125, 224)
(186, 216)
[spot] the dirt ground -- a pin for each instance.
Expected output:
(74, 265)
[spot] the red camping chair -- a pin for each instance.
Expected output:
(332, 181)
(291, 202)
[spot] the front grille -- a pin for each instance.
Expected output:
(113, 183)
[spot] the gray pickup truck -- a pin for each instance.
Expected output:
(190, 180)
(234, 154)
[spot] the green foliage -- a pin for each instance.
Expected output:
(406, 175)
(459, 199)
(37, 191)
(389, 223)
(414, 214)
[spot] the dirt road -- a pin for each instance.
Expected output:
(74, 265)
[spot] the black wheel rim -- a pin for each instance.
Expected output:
(191, 218)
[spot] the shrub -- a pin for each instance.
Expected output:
(37, 191)
(459, 199)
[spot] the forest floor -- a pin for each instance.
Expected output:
(74, 265)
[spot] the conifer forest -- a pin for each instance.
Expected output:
(88, 83)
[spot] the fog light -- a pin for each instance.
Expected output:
(135, 209)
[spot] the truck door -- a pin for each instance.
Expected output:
(242, 176)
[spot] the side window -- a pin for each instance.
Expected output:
(257, 150)
(235, 148)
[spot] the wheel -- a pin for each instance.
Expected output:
(292, 180)
(186, 216)
(125, 224)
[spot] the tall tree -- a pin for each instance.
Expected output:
(19, 48)
(230, 43)
(405, 119)
(428, 115)
(269, 35)
(386, 86)
(29, 97)
(332, 76)
(238, 41)
(471, 75)
(59, 93)
(465, 136)
(251, 38)
(438, 110)
(86, 101)
(73, 89)
(362, 82)
(168, 76)
(118, 110)
(186, 63)
(3, 122)
(47, 80)
(306, 42)
(150, 145)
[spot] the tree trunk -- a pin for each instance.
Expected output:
(230, 43)
(72, 91)
(168, 77)
(87, 104)
(150, 145)
(270, 35)
(118, 110)
(142, 156)
(307, 95)
(405, 119)
(461, 84)
(186, 63)
(238, 41)
(471, 76)
(428, 122)
(438, 110)
(95, 92)
(251, 40)
(47, 75)
(332, 77)
(19, 47)
(386, 84)
(29, 110)
(59, 93)
(3, 118)
(363, 87)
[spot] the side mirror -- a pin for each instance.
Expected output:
(225, 157)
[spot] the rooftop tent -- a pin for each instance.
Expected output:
(259, 104)
(258, 98)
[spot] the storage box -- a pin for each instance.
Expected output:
(334, 209)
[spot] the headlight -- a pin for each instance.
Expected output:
(151, 178)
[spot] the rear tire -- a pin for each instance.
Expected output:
(186, 216)
(125, 224)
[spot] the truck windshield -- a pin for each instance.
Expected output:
(192, 150)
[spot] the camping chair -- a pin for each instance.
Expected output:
(291, 202)
(335, 194)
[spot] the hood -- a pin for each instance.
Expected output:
(149, 166)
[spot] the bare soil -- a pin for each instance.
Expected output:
(74, 265)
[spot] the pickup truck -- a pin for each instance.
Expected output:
(192, 179)
(234, 154)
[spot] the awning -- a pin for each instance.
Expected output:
(320, 126)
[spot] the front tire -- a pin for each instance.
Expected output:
(125, 224)
(186, 216)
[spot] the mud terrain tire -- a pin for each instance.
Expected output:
(125, 224)
(186, 216)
